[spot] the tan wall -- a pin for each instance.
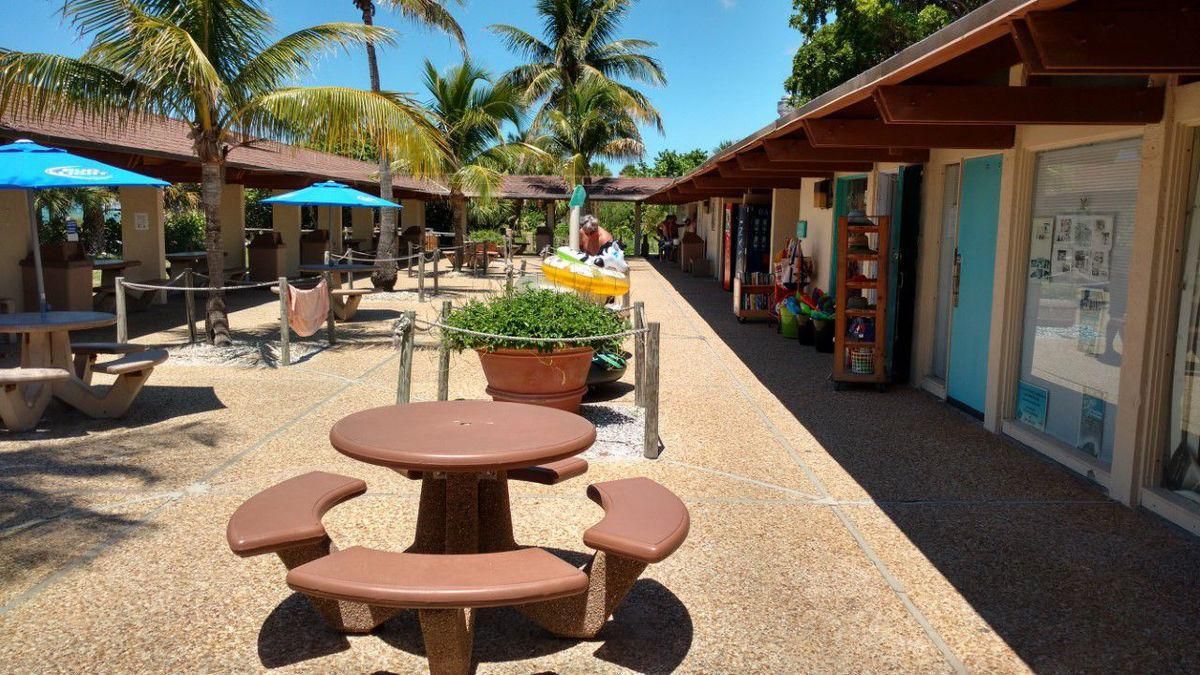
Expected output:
(149, 245)
(785, 211)
(362, 225)
(714, 238)
(285, 220)
(330, 218)
(412, 214)
(819, 242)
(233, 226)
(14, 232)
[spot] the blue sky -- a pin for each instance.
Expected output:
(725, 59)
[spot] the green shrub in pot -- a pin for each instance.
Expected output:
(534, 313)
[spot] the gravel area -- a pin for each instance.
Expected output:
(619, 431)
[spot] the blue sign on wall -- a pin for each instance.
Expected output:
(1032, 403)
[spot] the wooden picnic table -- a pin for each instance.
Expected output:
(463, 450)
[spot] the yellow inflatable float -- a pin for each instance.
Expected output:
(564, 270)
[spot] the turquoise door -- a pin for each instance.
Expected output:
(971, 322)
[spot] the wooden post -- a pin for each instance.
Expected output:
(404, 384)
(523, 263)
(437, 256)
(189, 303)
(637, 228)
(122, 315)
(285, 331)
(330, 326)
(444, 360)
(625, 300)
(408, 265)
(639, 356)
(651, 448)
(421, 274)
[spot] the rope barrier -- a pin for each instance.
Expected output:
(427, 325)
(230, 287)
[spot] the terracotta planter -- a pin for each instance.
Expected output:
(555, 379)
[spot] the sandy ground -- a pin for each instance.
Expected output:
(831, 532)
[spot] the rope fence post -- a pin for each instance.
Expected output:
(437, 256)
(285, 337)
(122, 315)
(404, 382)
(330, 325)
(421, 275)
(189, 304)
(444, 360)
(651, 448)
(639, 356)
(523, 264)
(409, 267)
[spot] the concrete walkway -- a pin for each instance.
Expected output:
(850, 531)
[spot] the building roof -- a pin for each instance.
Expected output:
(610, 189)
(160, 147)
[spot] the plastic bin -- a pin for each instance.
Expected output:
(266, 256)
(68, 277)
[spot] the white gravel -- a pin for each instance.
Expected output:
(619, 431)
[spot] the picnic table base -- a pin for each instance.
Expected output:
(53, 350)
(464, 513)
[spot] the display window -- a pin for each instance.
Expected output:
(1181, 465)
(1080, 256)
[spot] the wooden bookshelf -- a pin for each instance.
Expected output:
(852, 263)
(744, 314)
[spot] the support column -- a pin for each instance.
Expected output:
(233, 227)
(14, 232)
(637, 229)
(285, 219)
(413, 213)
(329, 218)
(550, 214)
(143, 233)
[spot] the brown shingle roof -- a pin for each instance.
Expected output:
(614, 189)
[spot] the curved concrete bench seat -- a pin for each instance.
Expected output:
(132, 371)
(552, 473)
(286, 518)
(643, 523)
(86, 354)
(18, 411)
(134, 362)
(361, 588)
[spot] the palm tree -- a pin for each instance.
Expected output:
(587, 124)
(579, 41)
(211, 63)
(470, 111)
(431, 14)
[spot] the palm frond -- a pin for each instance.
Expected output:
(42, 86)
(431, 14)
(292, 55)
(523, 43)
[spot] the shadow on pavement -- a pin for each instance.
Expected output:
(1070, 580)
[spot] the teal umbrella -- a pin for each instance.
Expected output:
(25, 165)
(330, 193)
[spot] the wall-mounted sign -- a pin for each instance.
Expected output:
(72, 230)
(801, 229)
(141, 221)
(1032, 403)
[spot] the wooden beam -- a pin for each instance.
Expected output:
(799, 150)
(830, 132)
(792, 183)
(1137, 41)
(728, 170)
(906, 104)
(762, 162)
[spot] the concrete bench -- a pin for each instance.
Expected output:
(19, 411)
(356, 587)
(132, 370)
(643, 523)
(346, 301)
(285, 519)
(86, 354)
(546, 474)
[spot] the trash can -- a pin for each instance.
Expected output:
(313, 246)
(823, 335)
(787, 322)
(266, 256)
(68, 276)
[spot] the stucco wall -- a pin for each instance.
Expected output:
(149, 245)
(819, 242)
(14, 232)
(412, 214)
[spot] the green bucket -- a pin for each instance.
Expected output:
(787, 323)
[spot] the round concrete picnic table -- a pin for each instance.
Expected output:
(338, 269)
(46, 339)
(111, 268)
(463, 451)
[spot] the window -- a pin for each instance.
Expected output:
(1181, 466)
(1079, 261)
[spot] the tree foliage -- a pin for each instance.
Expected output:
(667, 164)
(842, 38)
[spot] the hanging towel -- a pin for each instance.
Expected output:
(307, 310)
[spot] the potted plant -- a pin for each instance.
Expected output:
(546, 350)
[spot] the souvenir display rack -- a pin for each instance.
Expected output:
(860, 332)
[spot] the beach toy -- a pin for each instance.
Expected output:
(569, 269)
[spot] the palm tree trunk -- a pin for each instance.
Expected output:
(458, 216)
(384, 277)
(212, 172)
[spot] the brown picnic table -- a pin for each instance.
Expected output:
(462, 451)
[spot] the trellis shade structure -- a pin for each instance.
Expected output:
(25, 165)
(331, 193)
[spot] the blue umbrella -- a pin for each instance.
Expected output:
(331, 193)
(25, 165)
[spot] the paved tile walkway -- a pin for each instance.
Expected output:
(851, 531)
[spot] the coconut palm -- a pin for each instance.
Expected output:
(431, 14)
(212, 64)
(470, 111)
(588, 123)
(579, 40)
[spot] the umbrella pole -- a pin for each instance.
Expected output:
(37, 251)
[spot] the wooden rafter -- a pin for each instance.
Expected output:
(747, 183)
(1105, 42)
(732, 170)
(799, 150)
(958, 104)
(830, 132)
(762, 162)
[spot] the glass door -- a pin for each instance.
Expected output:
(1181, 468)
(949, 243)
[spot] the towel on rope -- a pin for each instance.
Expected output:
(308, 309)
